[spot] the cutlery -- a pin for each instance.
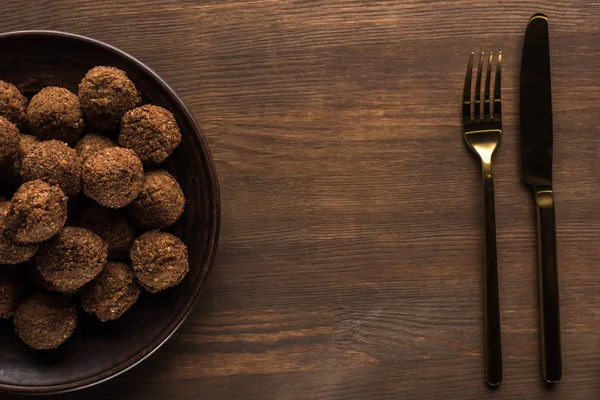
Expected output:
(536, 166)
(482, 133)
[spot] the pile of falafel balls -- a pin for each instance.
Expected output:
(100, 152)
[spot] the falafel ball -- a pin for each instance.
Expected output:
(26, 143)
(54, 163)
(10, 251)
(12, 289)
(71, 259)
(112, 293)
(150, 131)
(106, 93)
(160, 203)
(38, 211)
(45, 320)
(37, 281)
(112, 227)
(91, 143)
(55, 113)
(113, 177)
(12, 104)
(9, 143)
(160, 260)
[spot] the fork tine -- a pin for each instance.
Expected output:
(497, 99)
(486, 96)
(467, 90)
(478, 89)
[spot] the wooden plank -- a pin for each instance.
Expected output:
(350, 260)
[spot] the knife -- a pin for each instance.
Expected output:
(536, 167)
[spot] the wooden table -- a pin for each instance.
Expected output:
(350, 260)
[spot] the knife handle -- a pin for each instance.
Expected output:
(548, 281)
(493, 346)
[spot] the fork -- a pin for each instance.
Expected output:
(482, 134)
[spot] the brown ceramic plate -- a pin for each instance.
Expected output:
(96, 352)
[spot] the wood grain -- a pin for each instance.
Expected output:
(350, 261)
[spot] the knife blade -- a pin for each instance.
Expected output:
(536, 167)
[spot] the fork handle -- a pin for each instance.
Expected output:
(493, 347)
(548, 281)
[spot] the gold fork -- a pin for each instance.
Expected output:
(482, 134)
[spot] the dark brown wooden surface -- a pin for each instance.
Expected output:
(350, 260)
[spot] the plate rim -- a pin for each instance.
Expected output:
(214, 230)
